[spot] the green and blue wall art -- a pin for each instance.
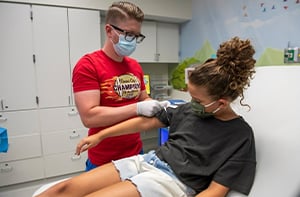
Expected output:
(271, 25)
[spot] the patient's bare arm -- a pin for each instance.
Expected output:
(214, 190)
(134, 125)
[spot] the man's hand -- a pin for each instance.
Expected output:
(148, 108)
(165, 104)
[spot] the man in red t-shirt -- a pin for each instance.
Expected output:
(109, 87)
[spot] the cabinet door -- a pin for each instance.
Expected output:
(62, 141)
(21, 171)
(84, 33)
(84, 30)
(50, 33)
(17, 84)
(23, 147)
(20, 123)
(68, 163)
(59, 119)
(168, 42)
(146, 51)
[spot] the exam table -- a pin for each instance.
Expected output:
(274, 97)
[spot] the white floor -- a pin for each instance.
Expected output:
(27, 189)
(26, 192)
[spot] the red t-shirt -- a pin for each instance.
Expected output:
(120, 83)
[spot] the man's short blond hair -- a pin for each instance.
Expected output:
(123, 10)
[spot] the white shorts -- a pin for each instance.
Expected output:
(151, 176)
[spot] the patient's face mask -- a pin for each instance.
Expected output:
(199, 109)
(124, 47)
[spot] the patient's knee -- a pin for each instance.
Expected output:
(57, 189)
(62, 187)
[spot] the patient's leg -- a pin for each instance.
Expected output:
(85, 183)
(121, 189)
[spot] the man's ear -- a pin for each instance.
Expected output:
(108, 29)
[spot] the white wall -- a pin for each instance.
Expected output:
(274, 116)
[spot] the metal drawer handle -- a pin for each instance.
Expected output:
(74, 135)
(76, 157)
(3, 119)
(2, 105)
(73, 113)
(6, 168)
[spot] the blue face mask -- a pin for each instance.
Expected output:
(124, 47)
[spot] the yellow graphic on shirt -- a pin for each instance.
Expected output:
(126, 86)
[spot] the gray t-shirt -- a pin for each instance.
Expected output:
(201, 150)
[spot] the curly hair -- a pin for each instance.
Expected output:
(123, 10)
(230, 73)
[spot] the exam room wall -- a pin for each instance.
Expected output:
(271, 26)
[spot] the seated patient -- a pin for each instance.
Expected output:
(210, 149)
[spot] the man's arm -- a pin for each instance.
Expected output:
(214, 190)
(94, 115)
(144, 96)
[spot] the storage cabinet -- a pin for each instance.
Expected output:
(23, 161)
(17, 80)
(51, 49)
(13, 172)
(68, 163)
(160, 45)
(20, 123)
(61, 37)
(84, 34)
(24, 135)
(168, 42)
(40, 45)
(62, 141)
(146, 50)
(23, 147)
(61, 131)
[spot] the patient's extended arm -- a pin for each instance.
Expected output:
(214, 190)
(134, 125)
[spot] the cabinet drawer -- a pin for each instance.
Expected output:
(20, 122)
(60, 142)
(150, 144)
(22, 147)
(64, 163)
(21, 171)
(57, 119)
(153, 133)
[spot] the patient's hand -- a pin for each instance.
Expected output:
(86, 143)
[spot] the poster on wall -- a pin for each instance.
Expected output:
(271, 25)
